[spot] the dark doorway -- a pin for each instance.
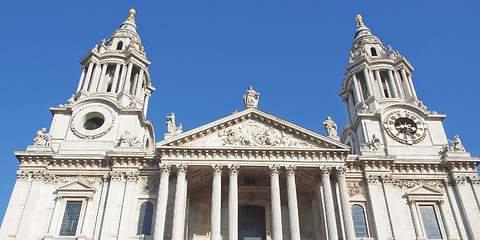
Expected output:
(251, 222)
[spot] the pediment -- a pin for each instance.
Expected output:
(252, 128)
(76, 189)
(425, 193)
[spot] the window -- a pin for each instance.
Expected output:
(120, 45)
(70, 218)
(430, 221)
(373, 51)
(249, 181)
(359, 221)
(145, 218)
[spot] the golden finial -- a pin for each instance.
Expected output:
(359, 20)
(132, 15)
(236, 111)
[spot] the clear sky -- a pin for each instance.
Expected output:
(206, 53)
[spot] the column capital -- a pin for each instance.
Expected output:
(291, 169)
(372, 178)
(274, 169)
(325, 170)
(475, 180)
(233, 169)
(341, 170)
(131, 176)
(182, 168)
(165, 168)
(217, 169)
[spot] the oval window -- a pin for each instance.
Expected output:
(93, 123)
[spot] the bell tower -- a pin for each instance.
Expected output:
(108, 110)
(383, 111)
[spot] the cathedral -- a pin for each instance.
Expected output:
(101, 173)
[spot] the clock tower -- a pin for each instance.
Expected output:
(385, 116)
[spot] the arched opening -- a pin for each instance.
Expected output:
(120, 45)
(359, 221)
(373, 51)
(145, 218)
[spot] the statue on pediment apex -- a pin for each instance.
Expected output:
(250, 98)
(331, 127)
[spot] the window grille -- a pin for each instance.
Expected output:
(70, 218)
(359, 221)
(430, 221)
(145, 219)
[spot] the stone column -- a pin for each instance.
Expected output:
(416, 220)
(329, 206)
(405, 82)
(98, 75)
(145, 104)
(138, 89)
(448, 229)
(131, 178)
(178, 229)
(162, 199)
(126, 83)
(356, 90)
(345, 201)
(89, 76)
(349, 118)
(469, 208)
(380, 84)
(121, 80)
(116, 77)
(292, 203)
(394, 90)
(233, 203)
(216, 208)
(378, 215)
(398, 84)
(368, 83)
(276, 204)
(81, 80)
(391, 200)
(410, 82)
(115, 188)
(102, 84)
(454, 207)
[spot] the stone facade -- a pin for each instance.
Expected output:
(99, 173)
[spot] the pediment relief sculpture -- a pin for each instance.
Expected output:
(252, 133)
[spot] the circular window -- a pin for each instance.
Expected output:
(93, 123)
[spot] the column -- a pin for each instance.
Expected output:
(88, 77)
(115, 189)
(368, 82)
(145, 104)
(392, 202)
(126, 82)
(96, 77)
(292, 204)
(178, 229)
(391, 79)
(81, 79)
(468, 208)
(276, 205)
(162, 198)
(329, 206)
(216, 208)
(127, 208)
(347, 110)
(377, 206)
(448, 229)
(380, 84)
(115, 77)
(454, 207)
(138, 89)
(345, 201)
(233, 203)
(102, 85)
(121, 80)
(356, 90)
(416, 220)
(405, 82)
(411, 86)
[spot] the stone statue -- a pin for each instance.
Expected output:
(457, 145)
(171, 127)
(250, 98)
(127, 140)
(72, 99)
(331, 127)
(374, 145)
(42, 138)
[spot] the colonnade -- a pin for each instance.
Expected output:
(324, 187)
(94, 78)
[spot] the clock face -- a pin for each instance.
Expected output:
(405, 127)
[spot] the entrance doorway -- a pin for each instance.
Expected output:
(251, 222)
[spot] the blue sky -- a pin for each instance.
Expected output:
(205, 54)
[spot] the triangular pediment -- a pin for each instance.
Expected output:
(76, 189)
(252, 128)
(425, 193)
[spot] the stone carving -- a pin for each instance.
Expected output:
(171, 127)
(250, 98)
(86, 179)
(23, 175)
(233, 169)
(128, 140)
(410, 183)
(42, 138)
(274, 169)
(372, 178)
(150, 186)
(217, 169)
(456, 145)
(71, 100)
(331, 127)
(291, 169)
(475, 180)
(422, 106)
(374, 145)
(253, 134)
(354, 189)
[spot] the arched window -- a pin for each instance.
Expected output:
(120, 45)
(145, 218)
(359, 221)
(373, 51)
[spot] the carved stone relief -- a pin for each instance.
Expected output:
(150, 185)
(355, 188)
(251, 133)
(407, 183)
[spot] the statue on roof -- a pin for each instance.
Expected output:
(42, 138)
(171, 127)
(331, 127)
(250, 98)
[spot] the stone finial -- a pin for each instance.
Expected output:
(132, 15)
(359, 20)
(250, 98)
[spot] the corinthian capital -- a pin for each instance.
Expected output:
(217, 169)
(274, 169)
(291, 169)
